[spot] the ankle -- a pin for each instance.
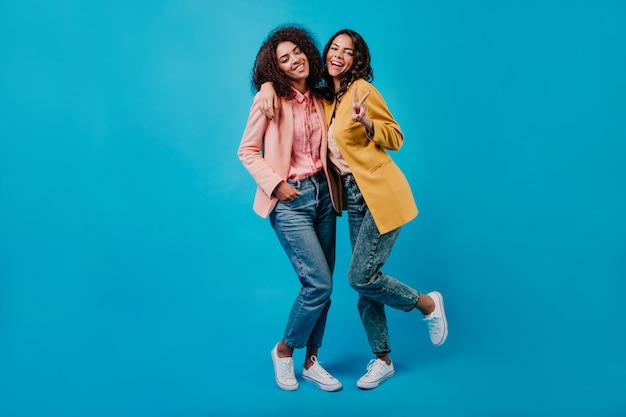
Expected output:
(385, 358)
(308, 362)
(425, 304)
(283, 350)
(310, 353)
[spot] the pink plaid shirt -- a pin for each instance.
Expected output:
(305, 152)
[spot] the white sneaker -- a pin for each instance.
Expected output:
(436, 321)
(283, 372)
(318, 375)
(377, 372)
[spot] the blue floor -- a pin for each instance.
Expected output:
(164, 337)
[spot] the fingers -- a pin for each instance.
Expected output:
(355, 96)
(291, 196)
(265, 112)
(268, 100)
(269, 106)
(286, 192)
(359, 111)
(364, 98)
(266, 108)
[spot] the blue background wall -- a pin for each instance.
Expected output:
(136, 280)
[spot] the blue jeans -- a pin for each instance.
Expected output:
(306, 230)
(370, 251)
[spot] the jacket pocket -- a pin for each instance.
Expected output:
(379, 166)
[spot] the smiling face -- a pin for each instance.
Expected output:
(293, 63)
(340, 56)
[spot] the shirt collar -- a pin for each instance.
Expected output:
(302, 97)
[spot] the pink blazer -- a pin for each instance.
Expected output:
(265, 151)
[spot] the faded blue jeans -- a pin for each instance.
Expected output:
(370, 251)
(306, 230)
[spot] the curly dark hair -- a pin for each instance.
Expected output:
(266, 64)
(361, 67)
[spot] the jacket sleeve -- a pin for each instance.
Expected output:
(387, 133)
(250, 151)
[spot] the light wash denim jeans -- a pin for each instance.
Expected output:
(306, 229)
(370, 251)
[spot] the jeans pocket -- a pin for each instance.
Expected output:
(355, 197)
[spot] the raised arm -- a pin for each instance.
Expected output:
(381, 127)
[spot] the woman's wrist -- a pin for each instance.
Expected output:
(369, 126)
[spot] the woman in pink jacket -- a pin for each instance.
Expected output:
(287, 157)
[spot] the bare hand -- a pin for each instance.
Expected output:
(286, 192)
(267, 99)
(359, 111)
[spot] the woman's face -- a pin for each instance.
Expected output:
(292, 62)
(340, 56)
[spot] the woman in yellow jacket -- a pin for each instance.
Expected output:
(379, 199)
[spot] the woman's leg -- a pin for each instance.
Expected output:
(376, 289)
(306, 230)
(370, 251)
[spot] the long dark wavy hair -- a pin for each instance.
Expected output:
(266, 64)
(361, 67)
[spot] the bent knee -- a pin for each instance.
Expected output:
(358, 278)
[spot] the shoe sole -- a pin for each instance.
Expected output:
(443, 316)
(323, 387)
(372, 385)
(280, 385)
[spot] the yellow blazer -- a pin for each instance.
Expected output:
(383, 185)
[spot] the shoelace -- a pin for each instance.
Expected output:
(286, 369)
(433, 325)
(373, 366)
(319, 371)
